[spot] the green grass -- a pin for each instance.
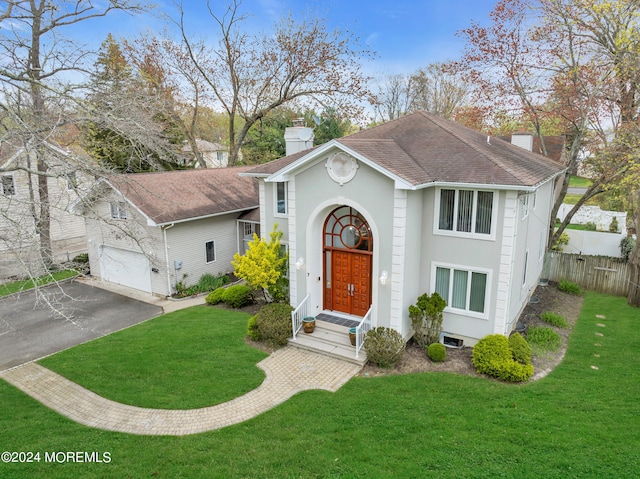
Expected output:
(169, 362)
(22, 285)
(576, 422)
(578, 182)
(554, 319)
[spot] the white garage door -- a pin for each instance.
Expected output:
(127, 268)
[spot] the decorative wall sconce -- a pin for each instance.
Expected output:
(383, 278)
(300, 263)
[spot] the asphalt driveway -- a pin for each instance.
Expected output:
(36, 324)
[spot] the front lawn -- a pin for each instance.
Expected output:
(191, 358)
(582, 420)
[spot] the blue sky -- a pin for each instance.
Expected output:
(406, 34)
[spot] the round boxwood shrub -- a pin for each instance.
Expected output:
(384, 346)
(492, 356)
(273, 323)
(520, 349)
(437, 352)
(215, 296)
(252, 328)
(237, 296)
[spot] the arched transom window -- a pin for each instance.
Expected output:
(345, 228)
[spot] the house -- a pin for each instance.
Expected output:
(214, 155)
(418, 204)
(19, 239)
(150, 231)
(555, 145)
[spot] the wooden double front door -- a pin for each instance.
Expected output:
(349, 286)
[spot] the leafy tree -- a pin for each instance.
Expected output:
(143, 136)
(264, 265)
(330, 125)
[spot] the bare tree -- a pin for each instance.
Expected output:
(395, 97)
(438, 91)
(36, 65)
(300, 61)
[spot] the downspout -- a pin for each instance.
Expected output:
(166, 256)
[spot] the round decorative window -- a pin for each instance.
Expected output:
(341, 167)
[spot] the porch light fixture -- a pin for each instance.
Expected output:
(300, 263)
(383, 278)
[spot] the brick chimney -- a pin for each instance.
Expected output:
(298, 137)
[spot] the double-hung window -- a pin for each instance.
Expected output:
(8, 186)
(118, 210)
(466, 211)
(210, 251)
(281, 198)
(462, 289)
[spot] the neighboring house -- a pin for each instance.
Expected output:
(149, 231)
(214, 155)
(555, 145)
(19, 240)
(419, 204)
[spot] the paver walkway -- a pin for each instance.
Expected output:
(288, 371)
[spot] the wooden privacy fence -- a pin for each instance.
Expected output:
(603, 274)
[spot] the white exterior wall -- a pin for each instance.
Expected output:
(186, 243)
(131, 234)
(531, 237)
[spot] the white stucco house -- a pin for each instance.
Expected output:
(419, 204)
(19, 238)
(148, 231)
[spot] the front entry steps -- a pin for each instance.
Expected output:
(331, 340)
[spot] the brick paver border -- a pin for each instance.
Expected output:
(288, 371)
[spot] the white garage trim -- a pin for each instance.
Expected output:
(128, 268)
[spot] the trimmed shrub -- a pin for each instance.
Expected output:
(215, 297)
(237, 296)
(590, 226)
(437, 352)
(543, 339)
(384, 346)
(520, 349)
(569, 287)
(426, 319)
(613, 226)
(492, 356)
(252, 328)
(273, 323)
(554, 319)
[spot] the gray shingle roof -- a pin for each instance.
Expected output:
(422, 148)
(171, 196)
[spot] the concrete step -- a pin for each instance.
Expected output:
(329, 339)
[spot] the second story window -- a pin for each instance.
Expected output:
(8, 186)
(281, 198)
(465, 211)
(118, 210)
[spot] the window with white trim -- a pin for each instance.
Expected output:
(72, 180)
(118, 210)
(527, 203)
(466, 211)
(8, 186)
(462, 289)
(526, 263)
(281, 198)
(210, 251)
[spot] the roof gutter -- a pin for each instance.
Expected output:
(171, 223)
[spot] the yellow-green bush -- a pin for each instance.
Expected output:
(437, 352)
(237, 296)
(252, 328)
(493, 356)
(215, 297)
(520, 349)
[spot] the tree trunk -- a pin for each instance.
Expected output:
(633, 297)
